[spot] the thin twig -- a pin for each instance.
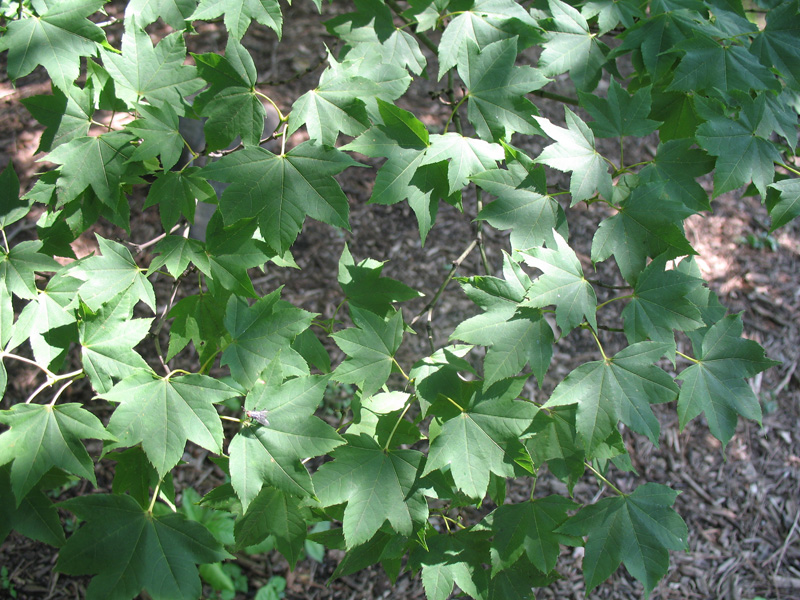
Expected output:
(453, 268)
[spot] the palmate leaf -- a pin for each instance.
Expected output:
(130, 550)
(575, 151)
(239, 13)
(466, 157)
(365, 288)
(335, 105)
(708, 65)
(480, 435)
(177, 193)
(637, 529)
(112, 273)
(529, 528)
(570, 46)
(98, 162)
(513, 339)
(619, 388)
(551, 439)
(370, 347)
(562, 283)
(496, 89)
(43, 437)
(619, 114)
(282, 190)
(153, 73)
(675, 170)
(481, 23)
(531, 216)
(56, 39)
(276, 513)
(66, 114)
(107, 339)
(375, 484)
(49, 328)
(164, 413)
(455, 559)
(36, 516)
(786, 206)
(645, 226)
(158, 130)
(270, 454)
(776, 44)
(661, 304)
(18, 268)
(716, 383)
(742, 147)
(173, 12)
(259, 333)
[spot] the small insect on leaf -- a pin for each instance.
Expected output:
(259, 416)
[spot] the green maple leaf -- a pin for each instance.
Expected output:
(43, 437)
(196, 319)
(675, 169)
(55, 39)
(467, 156)
(552, 440)
(66, 115)
(238, 14)
(162, 414)
(496, 89)
(620, 114)
(370, 347)
(619, 388)
(19, 265)
(49, 328)
(570, 46)
(710, 65)
(261, 331)
(158, 130)
(480, 435)
(575, 151)
(652, 39)
(231, 104)
(454, 559)
(12, 207)
(36, 516)
(531, 216)
(155, 73)
(107, 338)
(610, 13)
(661, 304)
(645, 226)
(365, 288)
(716, 382)
(282, 190)
(278, 514)
(98, 162)
(529, 528)
(481, 23)
(786, 206)
(403, 139)
(742, 147)
(776, 44)
(271, 454)
(562, 283)
(637, 530)
(112, 273)
(513, 339)
(178, 192)
(377, 486)
(335, 105)
(175, 252)
(174, 13)
(129, 550)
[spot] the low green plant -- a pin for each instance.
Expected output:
(413, 470)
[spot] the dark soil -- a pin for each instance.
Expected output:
(741, 503)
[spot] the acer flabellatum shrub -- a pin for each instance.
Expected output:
(715, 87)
